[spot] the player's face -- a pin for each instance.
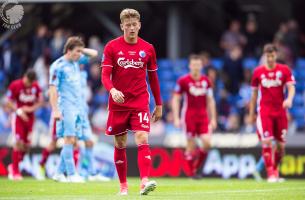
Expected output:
(27, 82)
(195, 65)
(76, 53)
(131, 27)
(271, 58)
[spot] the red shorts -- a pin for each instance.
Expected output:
(22, 129)
(120, 121)
(272, 127)
(197, 126)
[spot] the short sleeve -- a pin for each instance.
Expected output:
(10, 93)
(83, 60)
(179, 87)
(152, 65)
(255, 79)
(107, 59)
(289, 78)
(54, 77)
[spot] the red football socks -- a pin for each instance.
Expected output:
(267, 155)
(120, 161)
(144, 161)
(202, 155)
(45, 155)
(189, 158)
(17, 156)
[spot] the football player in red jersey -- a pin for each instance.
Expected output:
(23, 98)
(126, 60)
(268, 83)
(198, 100)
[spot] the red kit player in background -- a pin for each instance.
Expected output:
(196, 88)
(269, 82)
(23, 98)
(126, 60)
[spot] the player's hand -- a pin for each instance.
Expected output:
(177, 123)
(117, 95)
(213, 124)
(57, 115)
(157, 114)
(287, 103)
(22, 114)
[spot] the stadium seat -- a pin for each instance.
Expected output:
(299, 100)
(300, 63)
(164, 64)
(250, 63)
(217, 63)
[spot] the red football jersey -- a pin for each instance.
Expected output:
(22, 95)
(130, 63)
(271, 87)
(195, 94)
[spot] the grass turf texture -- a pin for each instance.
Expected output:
(168, 188)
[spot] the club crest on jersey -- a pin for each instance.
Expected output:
(142, 54)
(109, 128)
(278, 74)
(34, 90)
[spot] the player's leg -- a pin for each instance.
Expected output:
(144, 162)
(120, 160)
(280, 133)
(258, 169)
(202, 152)
(190, 155)
(265, 133)
(19, 148)
(205, 137)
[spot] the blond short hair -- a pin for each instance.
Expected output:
(128, 13)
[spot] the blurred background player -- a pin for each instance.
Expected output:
(86, 154)
(126, 60)
(196, 89)
(23, 98)
(271, 80)
(65, 98)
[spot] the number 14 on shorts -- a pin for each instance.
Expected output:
(143, 117)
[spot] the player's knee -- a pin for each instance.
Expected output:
(141, 138)
(267, 143)
(19, 145)
(89, 143)
(70, 140)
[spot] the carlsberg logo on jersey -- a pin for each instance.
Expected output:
(268, 83)
(26, 98)
(126, 63)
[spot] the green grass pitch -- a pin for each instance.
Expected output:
(168, 188)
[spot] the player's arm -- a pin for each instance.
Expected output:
(106, 75)
(10, 103)
(291, 92)
(176, 108)
(155, 88)
(212, 108)
(53, 101)
(252, 105)
(154, 84)
(90, 52)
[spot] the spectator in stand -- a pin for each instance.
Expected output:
(9, 63)
(293, 38)
(253, 38)
(94, 76)
(41, 67)
(232, 37)
(233, 70)
(95, 43)
(40, 42)
(57, 43)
